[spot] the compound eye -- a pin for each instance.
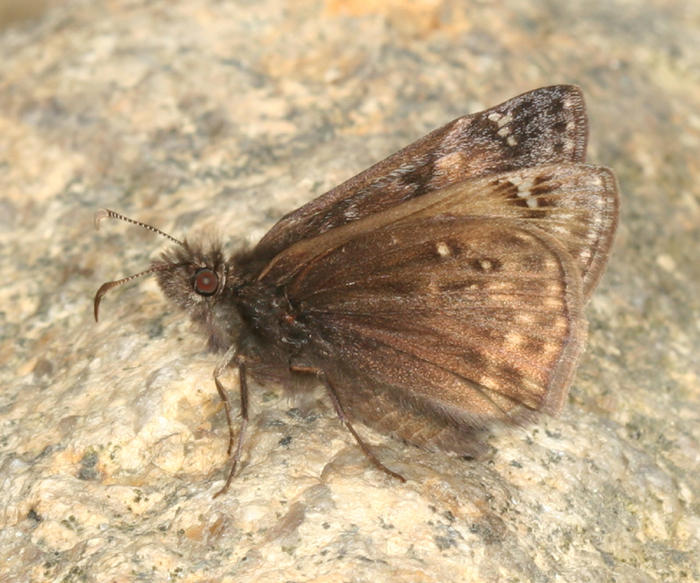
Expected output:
(206, 282)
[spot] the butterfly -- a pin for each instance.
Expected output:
(436, 292)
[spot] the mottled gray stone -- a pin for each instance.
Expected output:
(204, 116)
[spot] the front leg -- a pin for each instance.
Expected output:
(232, 356)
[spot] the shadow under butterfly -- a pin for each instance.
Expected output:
(439, 290)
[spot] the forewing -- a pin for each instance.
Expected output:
(463, 320)
(575, 203)
(544, 126)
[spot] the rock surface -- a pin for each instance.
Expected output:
(202, 116)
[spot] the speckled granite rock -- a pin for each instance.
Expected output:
(215, 116)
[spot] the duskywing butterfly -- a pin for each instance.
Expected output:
(439, 290)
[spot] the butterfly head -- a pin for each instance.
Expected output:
(198, 280)
(195, 277)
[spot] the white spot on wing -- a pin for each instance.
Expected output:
(523, 190)
(513, 339)
(525, 318)
(506, 119)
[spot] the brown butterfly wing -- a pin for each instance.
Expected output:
(575, 203)
(544, 126)
(464, 320)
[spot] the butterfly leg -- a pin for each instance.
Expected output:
(341, 415)
(232, 356)
(229, 357)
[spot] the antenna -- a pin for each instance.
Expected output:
(103, 214)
